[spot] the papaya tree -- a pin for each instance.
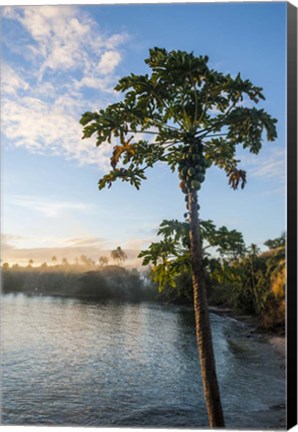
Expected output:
(185, 114)
(170, 260)
(170, 256)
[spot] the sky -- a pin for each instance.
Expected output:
(60, 61)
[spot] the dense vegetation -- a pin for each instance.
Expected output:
(254, 284)
(238, 277)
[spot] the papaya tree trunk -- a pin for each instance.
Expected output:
(203, 328)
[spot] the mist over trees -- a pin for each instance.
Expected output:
(105, 283)
(239, 277)
(84, 278)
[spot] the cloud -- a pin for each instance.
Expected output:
(12, 82)
(64, 52)
(95, 83)
(48, 208)
(53, 129)
(11, 238)
(270, 164)
(64, 37)
(86, 241)
(273, 166)
(43, 249)
(108, 62)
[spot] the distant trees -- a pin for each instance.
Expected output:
(65, 262)
(103, 260)
(278, 242)
(78, 264)
(243, 278)
(88, 262)
(118, 255)
(110, 282)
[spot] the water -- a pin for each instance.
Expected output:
(69, 362)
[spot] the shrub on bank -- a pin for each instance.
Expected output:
(254, 285)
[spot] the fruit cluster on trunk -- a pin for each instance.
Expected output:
(192, 167)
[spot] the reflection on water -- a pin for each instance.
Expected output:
(69, 362)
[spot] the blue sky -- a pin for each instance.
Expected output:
(59, 61)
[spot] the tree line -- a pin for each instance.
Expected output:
(118, 255)
(239, 277)
(109, 282)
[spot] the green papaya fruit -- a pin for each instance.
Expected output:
(200, 177)
(184, 170)
(195, 157)
(191, 171)
(195, 185)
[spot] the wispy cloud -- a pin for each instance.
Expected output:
(268, 164)
(65, 52)
(43, 127)
(108, 62)
(50, 208)
(90, 241)
(11, 238)
(12, 82)
(55, 242)
(64, 37)
(272, 165)
(21, 249)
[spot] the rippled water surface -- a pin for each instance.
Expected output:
(69, 362)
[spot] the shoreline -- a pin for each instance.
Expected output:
(277, 341)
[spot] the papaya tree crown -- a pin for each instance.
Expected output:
(180, 103)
